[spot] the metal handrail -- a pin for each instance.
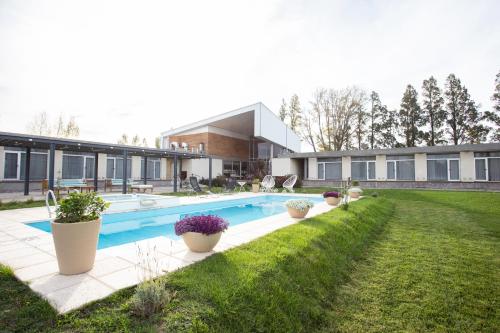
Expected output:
(50, 193)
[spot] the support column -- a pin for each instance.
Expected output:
(210, 173)
(96, 170)
(27, 172)
(175, 173)
(145, 171)
(125, 172)
(180, 170)
(52, 157)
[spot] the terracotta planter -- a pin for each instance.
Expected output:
(76, 245)
(255, 188)
(332, 201)
(297, 214)
(198, 242)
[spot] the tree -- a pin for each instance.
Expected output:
(40, 125)
(388, 127)
(294, 112)
(494, 116)
(283, 110)
(475, 130)
(158, 142)
(456, 116)
(409, 117)
(123, 140)
(360, 118)
(373, 119)
(306, 129)
(136, 140)
(433, 113)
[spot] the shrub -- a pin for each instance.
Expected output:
(355, 183)
(150, 297)
(375, 194)
(80, 207)
(331, 194)
(205, 224)
(219, 181)
(256, 181)
(344, 206)
(299, 204)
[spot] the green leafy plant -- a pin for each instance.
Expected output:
(256, 181)
(355, 183)
(344, 205)
(375, 194)
(80, 207)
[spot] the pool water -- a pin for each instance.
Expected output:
(122, 228)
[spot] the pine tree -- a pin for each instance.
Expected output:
(455, 108)
(388, 127)
(410, 117)
(475, 131)
(283, 110)
(373, 120)
(494, 116)
(294, 112)
(433, 113)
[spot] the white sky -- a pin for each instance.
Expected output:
(145, 67)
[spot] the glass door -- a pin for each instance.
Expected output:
(481, 166)
(454, 170)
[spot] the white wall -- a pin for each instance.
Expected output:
(199, 167)
(268, 126)
(136, 167)
(467, 166)
(421, 167)
(58, 161)
(102, 163)
(163, 169)
(281, 166)
(313, 168)
(381, 167)
(346, 167)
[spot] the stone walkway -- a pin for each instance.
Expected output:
(30, 253)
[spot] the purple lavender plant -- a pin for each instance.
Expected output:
(204, 224)
(331, 195)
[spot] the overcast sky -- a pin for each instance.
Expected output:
(145, 67)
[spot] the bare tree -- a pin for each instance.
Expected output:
(306, 129)
(40, 125)
(157, 142)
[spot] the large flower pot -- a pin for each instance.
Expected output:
(297, 214)
(255, 188)
(76, 245)
(198, 242)
(332, 201)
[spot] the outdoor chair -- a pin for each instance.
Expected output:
(289, 184)
(230, 185)
(268, 184)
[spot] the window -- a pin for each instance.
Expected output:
(114, 167)
(153, 170)
(400, 167)
(330, 168)
(234, 168)
(444, 167)
(363, 168)
(487, 166)
(77, 166)
(15, 164)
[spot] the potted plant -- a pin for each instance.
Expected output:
(255, 185)
(332, 198)
(298, 208)
(75, 231)
(201, 233)
(355, 191)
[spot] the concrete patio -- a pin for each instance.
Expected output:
(30, 253)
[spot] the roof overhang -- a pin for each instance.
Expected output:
(45, 142)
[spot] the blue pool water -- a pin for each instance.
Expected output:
(121, 228)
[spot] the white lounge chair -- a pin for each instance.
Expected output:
(289, 184)
(267, 184)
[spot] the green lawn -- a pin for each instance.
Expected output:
(21, 204)
(405, 261)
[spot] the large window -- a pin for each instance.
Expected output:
(77, 165)
(15, 164)
(114, 167)
(487, 166)
(363, 168)
(400, 167)
(153, 171)
(234, 168)
(330, 168)
(443, 167)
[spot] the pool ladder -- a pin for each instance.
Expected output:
(51, 210)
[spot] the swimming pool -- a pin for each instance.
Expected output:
(127, 227)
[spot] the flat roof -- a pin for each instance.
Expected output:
(44, 142)
(483, 147)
